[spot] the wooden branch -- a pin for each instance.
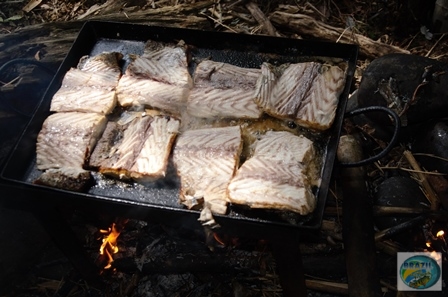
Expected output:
(427, 188)
(388, 247)
(306, 25)
(379, 210)
(327, 287)
(261, 18)
(389, 232)
(358, 232)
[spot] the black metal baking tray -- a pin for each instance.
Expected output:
(162, 196)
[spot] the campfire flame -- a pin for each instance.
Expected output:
(109, 245)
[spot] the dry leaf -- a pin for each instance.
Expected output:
(31, 5)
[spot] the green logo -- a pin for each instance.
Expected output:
(420, 272)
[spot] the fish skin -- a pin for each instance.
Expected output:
(275, 176)
(206, 160)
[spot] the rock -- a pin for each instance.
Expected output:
(400, 191)
(432, 139)
(413, 86)
(440, 16)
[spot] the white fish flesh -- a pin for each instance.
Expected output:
(137, 91)
(91, 86)
(67, 139)
(206, 160)
(275, 176)
(157, 79)
(84, 99)
(224, 90)
(307, 93)
(138, 149)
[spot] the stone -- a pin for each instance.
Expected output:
(413, 86)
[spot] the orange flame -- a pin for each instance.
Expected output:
(109, 245)
(441, 233)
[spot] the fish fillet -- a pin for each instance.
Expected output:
(119, 145)
(224, 90)
(206, 160)
(137, 91)
(274, 177)
(67, 178)
(138, 149)
(152, 161)
(67, 139)
(158, 79)
(307, 93)
(162, 62)
(91, 86)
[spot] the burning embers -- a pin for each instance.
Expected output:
(109, 245)
(436, 243)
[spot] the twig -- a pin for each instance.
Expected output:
(411, 170)
(12, 2)
(429, 191)
(412, 40)
(218, 22)
(389, 286)
(435, 44)
(431, 155)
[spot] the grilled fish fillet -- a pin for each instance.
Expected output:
(84, 99)
(119, 145)
(138, 149)
(206, 160)
(158, 79)
(152, 161)
(67, 178)
(274, 177)
(67, 139)
(307, 93)
(224, 90)
(137, 91)
(162, 62)
(91, 86)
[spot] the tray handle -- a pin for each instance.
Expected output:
(392, 142)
